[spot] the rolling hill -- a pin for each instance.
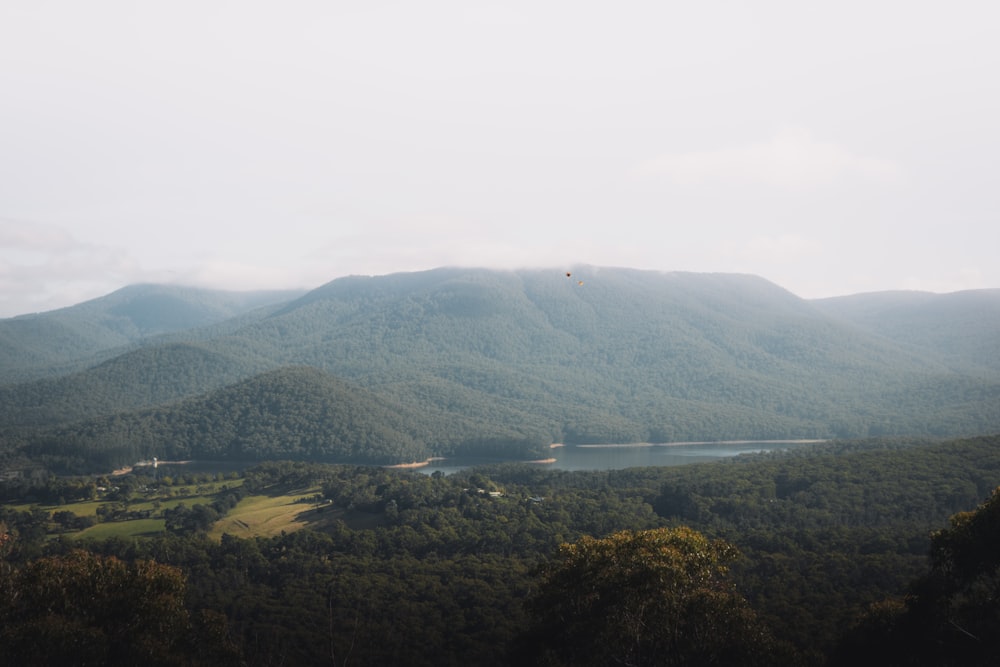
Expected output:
(298, 413)
(139, 378)
(69, 339)
(482, 361)
(962, 328)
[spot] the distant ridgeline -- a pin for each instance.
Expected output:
(398, 368)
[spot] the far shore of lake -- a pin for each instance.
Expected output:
(690, 443)
(417, 465)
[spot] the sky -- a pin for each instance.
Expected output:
(830, 147)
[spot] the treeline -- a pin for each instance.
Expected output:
(432, 569)
(68, 340)
(292, 413)
(137, 379)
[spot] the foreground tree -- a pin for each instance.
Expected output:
(83, 609)
(952, 615)
(652, 597)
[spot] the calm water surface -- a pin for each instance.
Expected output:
(617, 457)
(569, 457)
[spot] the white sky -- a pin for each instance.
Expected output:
(833, 147)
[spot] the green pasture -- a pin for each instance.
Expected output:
(258, 515)
(133, 528)
(166, 498)
(266, 515)
(89, 507)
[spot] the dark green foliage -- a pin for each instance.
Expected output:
(148, 376)
(952, 614)
(299, 413)
(82, 609)
(653, 597)
(398, 566)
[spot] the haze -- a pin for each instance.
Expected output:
(831, 149)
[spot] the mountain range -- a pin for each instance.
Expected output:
(395, 368)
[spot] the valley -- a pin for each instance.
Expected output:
(476, 363)
(840, 452)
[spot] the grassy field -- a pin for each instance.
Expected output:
(266, 515)
(84, 508)
(89, 508)
(139, 502)
(263, 515)
(133, 528)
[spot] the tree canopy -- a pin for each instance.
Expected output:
(84, 609)
(650, 597)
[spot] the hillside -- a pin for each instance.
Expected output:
(961, 328)
(139, 378)
(628, 355)
(70, 339)
(486, 361)
(298, 413)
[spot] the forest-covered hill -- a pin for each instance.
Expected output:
(294, 412)
(60, 341)
(962, 328)
(480, 361)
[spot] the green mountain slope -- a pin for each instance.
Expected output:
(962, 328)
(140, 378)
(69, 339)
(628, 355)
(289, 413)
(505, 361)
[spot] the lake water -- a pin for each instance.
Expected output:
(569, 457)
(617, 457)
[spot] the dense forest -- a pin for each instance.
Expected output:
(485, 362)
(878, 544)
(75, 338)
(809, 555)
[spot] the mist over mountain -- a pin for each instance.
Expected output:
(961, 328)
(485, 362)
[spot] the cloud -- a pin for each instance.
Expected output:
(43, 266)
(792, 159)
(783, 247)
(967, 278)
(29, 238)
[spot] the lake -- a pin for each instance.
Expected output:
(617, 457)
(567, 457)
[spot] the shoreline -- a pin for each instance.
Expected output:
(415, 464)
(545, 461)
(687, 443)
(147, 464)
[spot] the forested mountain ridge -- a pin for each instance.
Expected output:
(962, 328)
(513, 360)
(299, 412)
(69, 339)
(626, 355)
(139, 378)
